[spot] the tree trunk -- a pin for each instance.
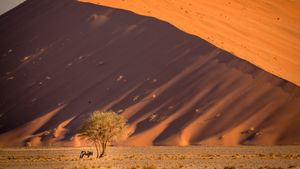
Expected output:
(97, 148)
(103, 150)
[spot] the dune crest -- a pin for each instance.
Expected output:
(265, 33)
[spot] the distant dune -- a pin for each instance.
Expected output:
(263, 32)
(61, 60)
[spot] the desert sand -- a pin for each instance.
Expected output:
(61, 60)
(263, 32)
(191, 157)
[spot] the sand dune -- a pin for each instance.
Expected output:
(263, 32)
(175, 88)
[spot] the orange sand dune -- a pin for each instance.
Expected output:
(70, 58)
(263, 32)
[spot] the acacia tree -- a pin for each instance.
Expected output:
(102, 128)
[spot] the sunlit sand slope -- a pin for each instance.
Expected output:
(263, 32)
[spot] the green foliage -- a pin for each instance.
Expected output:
(102, 128)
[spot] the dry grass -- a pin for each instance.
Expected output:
(287, 157)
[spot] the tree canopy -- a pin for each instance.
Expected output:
(102, 128)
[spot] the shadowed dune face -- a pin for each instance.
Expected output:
(264, 32)
(61, 60)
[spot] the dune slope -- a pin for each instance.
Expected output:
(263, 32)
(61, 60)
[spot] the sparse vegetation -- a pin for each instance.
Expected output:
(27, 144)
(230, 167)
(269, 167)
(193, 157)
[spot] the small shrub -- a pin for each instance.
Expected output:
(27, 144)
(229, 167)
(134, 167)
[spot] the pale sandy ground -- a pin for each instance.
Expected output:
(158, 157)
(263, 32)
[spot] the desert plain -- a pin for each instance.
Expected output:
(155, 157)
